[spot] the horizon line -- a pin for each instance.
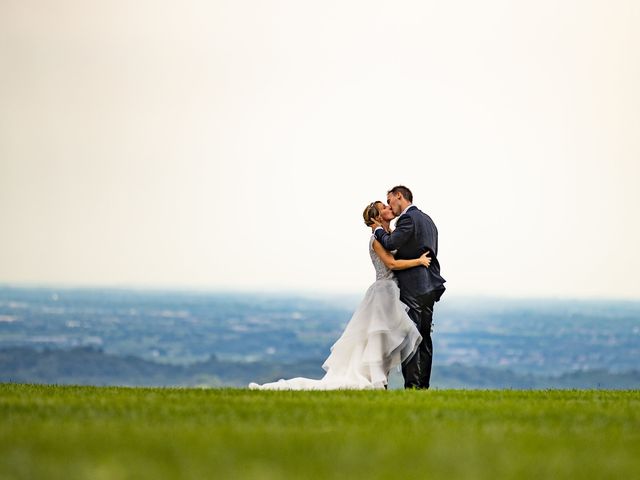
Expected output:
(254, 290)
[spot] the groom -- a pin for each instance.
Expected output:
(420, 287)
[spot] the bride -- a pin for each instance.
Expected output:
(380, 334)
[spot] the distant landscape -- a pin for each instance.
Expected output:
(182, 338)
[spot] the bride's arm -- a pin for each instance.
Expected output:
(394, 264)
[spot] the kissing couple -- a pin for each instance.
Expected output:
(392, 324)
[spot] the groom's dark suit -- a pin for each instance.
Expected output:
(420, 287)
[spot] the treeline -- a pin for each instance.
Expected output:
(92, 366)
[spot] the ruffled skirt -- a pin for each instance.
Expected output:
(379, 337)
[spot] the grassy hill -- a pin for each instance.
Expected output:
(56, 432)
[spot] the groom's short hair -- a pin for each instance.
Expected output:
(406, 193)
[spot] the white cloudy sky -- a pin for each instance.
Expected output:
(234, 144)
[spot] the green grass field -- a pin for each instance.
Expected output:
(53, 432)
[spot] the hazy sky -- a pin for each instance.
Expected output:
(235, 143)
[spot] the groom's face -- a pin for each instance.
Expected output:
(394, 202)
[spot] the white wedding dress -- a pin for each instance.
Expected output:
(379, 336)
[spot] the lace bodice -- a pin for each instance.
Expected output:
(382, 272)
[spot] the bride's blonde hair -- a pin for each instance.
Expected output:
(371, 212)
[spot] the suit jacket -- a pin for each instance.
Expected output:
(414, 235)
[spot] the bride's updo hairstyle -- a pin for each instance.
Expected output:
(371, 212)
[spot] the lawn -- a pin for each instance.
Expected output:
(55, 432)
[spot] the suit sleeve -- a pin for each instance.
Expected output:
(400, 236)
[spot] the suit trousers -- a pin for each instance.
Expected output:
(417, 370)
